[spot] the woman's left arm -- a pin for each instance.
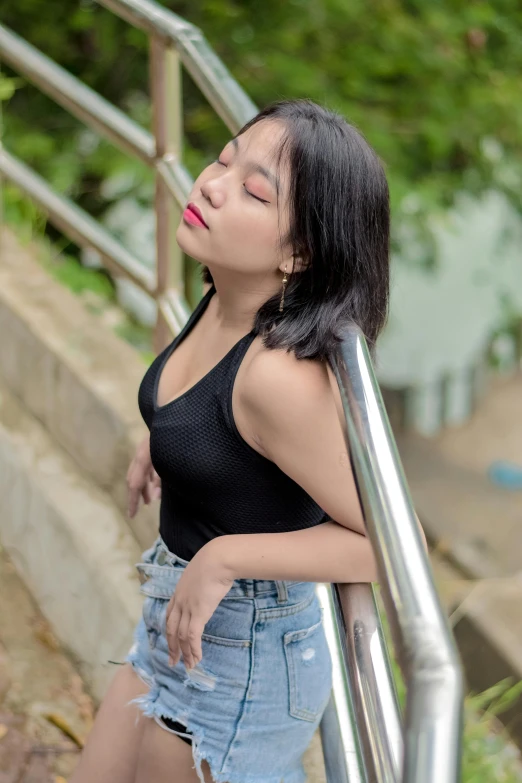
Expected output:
(327, 552)
(295, 414)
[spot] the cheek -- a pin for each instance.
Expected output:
(255, 237)
(254, 227)
(255, 223)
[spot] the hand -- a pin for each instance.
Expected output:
(203, 584)
(142, 479)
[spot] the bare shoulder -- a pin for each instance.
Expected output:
(277, 383)
(277, 379)
(295, 413)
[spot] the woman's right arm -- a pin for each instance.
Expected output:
(142, 479)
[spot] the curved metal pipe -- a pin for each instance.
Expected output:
(425, 647)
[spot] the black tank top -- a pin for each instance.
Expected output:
(212, 481)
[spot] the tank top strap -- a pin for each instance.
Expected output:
(196, 313)
(227, 388)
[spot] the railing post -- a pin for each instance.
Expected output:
(343, 759)
(361, 729)
(375, 701)
(424, 644)
(165, 87)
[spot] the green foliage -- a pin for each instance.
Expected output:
(434, 87)
(93, 286)
(7, 87)
(488, 753)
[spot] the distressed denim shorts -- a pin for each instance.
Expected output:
(254, 701)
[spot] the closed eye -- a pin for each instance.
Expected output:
(244, 188)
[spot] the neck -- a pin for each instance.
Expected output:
(238, 299)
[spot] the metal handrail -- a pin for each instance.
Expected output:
(426, 649)
(76, 223)
(114, 125)
(361, 730)
(214, 80)
(76, 97)
(362, 734)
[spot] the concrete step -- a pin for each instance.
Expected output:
(72, 373)
(69, 543)
(484, 615)
(474, 527)
(42, 696)
(74, 552)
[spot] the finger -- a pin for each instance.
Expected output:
(184, 640)
(133, 497)
(173, 619)
(194, 635)
(137, 485)
(156, 485)
(153, 485)
(146, 493)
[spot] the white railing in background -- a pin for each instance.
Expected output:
(364, 738)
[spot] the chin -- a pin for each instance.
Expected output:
(181, 238)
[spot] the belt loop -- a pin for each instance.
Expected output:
(282, 592)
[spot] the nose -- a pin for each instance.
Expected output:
(213, 190)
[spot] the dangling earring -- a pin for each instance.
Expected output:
(281, 303)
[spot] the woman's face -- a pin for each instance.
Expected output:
(239, 201)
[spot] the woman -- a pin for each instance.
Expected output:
(230, 672)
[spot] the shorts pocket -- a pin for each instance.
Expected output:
(154, 617)
(309, 668)
(154, 613)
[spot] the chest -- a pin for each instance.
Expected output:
(192, 364)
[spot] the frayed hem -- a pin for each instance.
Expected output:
(299, 776)
(149, 705)
(161, 723)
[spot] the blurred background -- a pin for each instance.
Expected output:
(435, 88)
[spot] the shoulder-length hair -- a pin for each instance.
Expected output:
(340, 225)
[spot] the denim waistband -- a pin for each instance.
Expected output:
(244, 588)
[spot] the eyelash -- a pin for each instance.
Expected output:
(246, 191)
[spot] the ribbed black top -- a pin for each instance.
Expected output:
(213, 482)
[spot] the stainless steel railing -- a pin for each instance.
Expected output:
(426, 650)
(363, 736)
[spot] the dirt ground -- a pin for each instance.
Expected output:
(45, 713)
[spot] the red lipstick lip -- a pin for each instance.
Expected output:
(193, 208)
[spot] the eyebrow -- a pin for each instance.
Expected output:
(260, 169)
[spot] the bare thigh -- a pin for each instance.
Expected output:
(111, 752)
(165, 758)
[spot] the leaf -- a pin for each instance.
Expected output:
(61, 723)
(506, 700)
(479, 701)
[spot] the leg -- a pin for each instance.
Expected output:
(165, 758)
(111, 752)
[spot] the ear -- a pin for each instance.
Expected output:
(293, 264)
(299, 264)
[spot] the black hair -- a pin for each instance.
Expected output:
(339, 223)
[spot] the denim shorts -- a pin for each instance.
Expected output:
(254, 701)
